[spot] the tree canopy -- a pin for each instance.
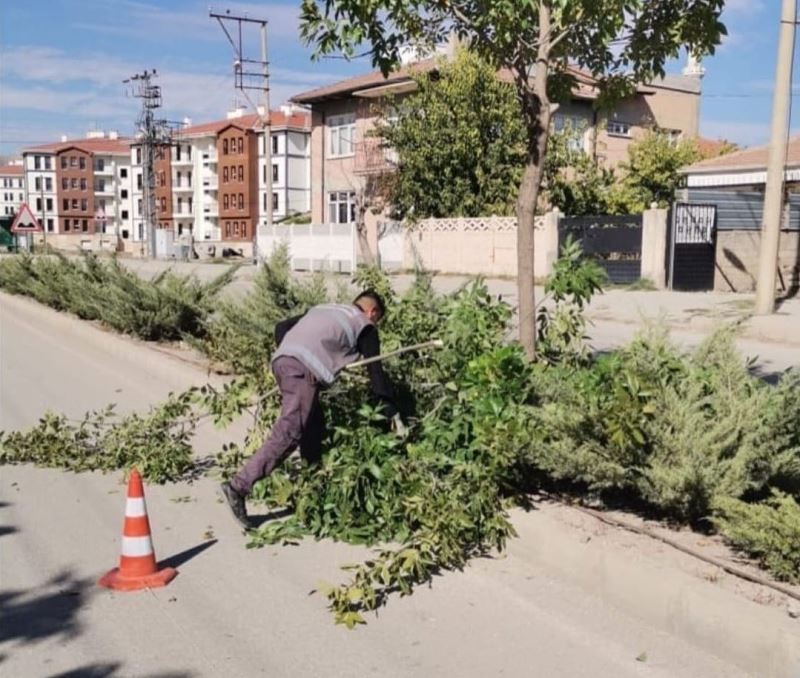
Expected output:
(459, 140)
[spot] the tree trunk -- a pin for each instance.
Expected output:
(536, 113)
(526, 216)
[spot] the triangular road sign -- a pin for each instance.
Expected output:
(25, 222)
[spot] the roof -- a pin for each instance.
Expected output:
(584, 86)
(105, 145)
(712, 148)
(754, 158)
(278, 119)
(12, 170)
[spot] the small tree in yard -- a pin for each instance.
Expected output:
(537, 41)
(460, 143)
(651, 172)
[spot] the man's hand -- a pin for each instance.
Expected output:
(399, 428)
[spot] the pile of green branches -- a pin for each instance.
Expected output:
(167, 307)
(158, 443)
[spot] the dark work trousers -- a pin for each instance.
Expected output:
(301, 423)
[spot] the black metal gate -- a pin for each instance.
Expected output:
(614, 242)
(693, 247)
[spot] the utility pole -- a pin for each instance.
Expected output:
(153, 133)
(773, 194)
(245, 79)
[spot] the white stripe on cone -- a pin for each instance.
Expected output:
(135, 508)
(136, 547)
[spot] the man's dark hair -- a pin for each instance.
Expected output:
(375, 297)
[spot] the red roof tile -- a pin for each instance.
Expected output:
(754, 158)
(105, 145)
(12, 170)
(300, 120)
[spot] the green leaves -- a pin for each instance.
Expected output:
(460, 143)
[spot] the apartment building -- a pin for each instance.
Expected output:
(344, 154)
(12, 189)
(211, 184)
(79, 188)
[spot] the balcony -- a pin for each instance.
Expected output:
(106, 169)
(374, 157)
(183, 213)
(183, 161)
(210, 185)
(211, 210)
(106, 188)
(182, 187)
(209, 158)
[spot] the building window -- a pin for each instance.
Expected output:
(139, 206)
(84, 205)
(163, 204)
(224, 175)
(162, 178)
(224, 147)
(37, 162)
(74, 203)
(275, 174)
(49, 204)
(274, 144)
(84, 225)
(64, 184)
(240, 144)
(241, 201)
(123, 173)
(73, 161)
(82, 163)
(124, 214)
(65, 227)
(123, 193)
(241, 172)
(48, 184)
(38, 204)
(342, 134)
(275, 202)
(139, 182)
(47, 162)
(225, 201)
(138, 156)
(63, 162)
(342, 207)
(64, 205)
(618, 129)
(37, 183)
(49, 225)
(74, 183)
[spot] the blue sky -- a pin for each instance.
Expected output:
(62, 63)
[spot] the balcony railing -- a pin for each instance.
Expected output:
(373, 156)
(182, 187)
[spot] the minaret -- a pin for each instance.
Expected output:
(693, 66)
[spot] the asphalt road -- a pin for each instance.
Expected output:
(238, 612)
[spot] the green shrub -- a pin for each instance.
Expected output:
(768, 531)
(168, 307)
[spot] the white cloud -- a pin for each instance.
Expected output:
(154, 23)
(54, 82)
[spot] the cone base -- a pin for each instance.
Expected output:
(114, 579)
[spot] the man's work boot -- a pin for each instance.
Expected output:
(236, 504)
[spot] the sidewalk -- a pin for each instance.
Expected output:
(688, 311)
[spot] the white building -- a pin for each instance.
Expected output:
(77, 189)
(12, 188)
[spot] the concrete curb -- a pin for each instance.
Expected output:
(759, 639)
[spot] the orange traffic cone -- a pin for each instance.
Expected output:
(137, 563)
